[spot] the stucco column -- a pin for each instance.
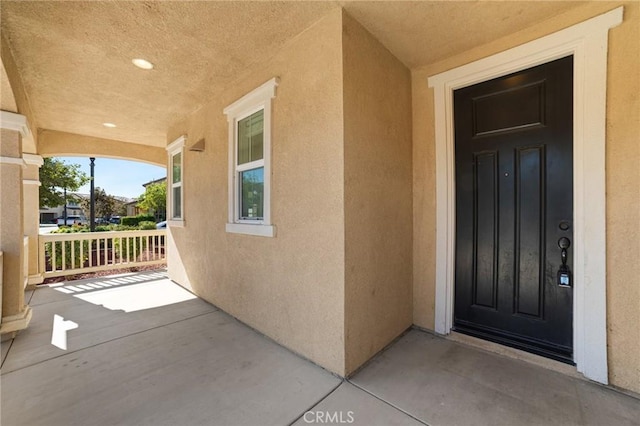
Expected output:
(31, 211)
(15, 314)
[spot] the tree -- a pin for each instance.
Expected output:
(106, 205)
(56, 176)
(154, 199)
(120, 208)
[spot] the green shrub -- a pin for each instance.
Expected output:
(132, 248)
(142, 225)
(70, 230)
(123, 228)
(135, 220)
(128, 220)
(71, 251)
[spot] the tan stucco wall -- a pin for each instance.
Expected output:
(623, 181)
(290, 287)
(52, 143)
(623, 201)
(11, 237)
(377, 195)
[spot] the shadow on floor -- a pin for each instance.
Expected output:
(181, 361)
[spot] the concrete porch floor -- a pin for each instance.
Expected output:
(147, 352)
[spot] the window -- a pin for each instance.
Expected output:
(250, 162)
(174, 182)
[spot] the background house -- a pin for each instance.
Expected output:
(51, 214)
(160, 213)
(133, 209)
(164, 179)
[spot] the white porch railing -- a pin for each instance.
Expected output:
(74, 253)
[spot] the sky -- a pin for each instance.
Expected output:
(118, 177)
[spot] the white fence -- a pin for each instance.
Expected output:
(80, 252)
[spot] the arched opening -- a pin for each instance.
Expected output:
(119, 185)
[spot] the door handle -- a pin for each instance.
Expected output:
(564, 273)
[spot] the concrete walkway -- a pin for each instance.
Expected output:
(147, 352)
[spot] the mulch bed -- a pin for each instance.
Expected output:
(102, 273)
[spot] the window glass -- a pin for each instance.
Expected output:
(252, 194)
(250, 137)
(177, 202)
(249, 120)
(177, 178)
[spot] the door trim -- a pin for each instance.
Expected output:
(587, 42)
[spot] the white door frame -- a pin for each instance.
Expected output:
(587, 42)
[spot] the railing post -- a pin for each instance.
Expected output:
(54, 258)
(41, 256)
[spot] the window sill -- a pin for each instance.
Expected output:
(251, 229)
(175, 223)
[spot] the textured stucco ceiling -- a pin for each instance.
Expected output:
(423, 32)
(74, 58)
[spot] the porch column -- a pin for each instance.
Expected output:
(15, 314)
(30, 194)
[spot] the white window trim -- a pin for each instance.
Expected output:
(587, 42)
(257, 100)
(175, 147)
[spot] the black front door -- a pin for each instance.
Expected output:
(514, 204)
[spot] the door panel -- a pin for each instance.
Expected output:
(494, 113)
(486, 237)
(514, 148)
(529, 278)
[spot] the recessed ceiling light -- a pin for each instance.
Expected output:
(142, 63)
(108, 125)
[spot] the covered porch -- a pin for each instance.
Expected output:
(336, 240)
(147, 351)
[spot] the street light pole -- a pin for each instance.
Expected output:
(92, 196)
(64, 215)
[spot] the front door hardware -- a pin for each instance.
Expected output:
(564, 273)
